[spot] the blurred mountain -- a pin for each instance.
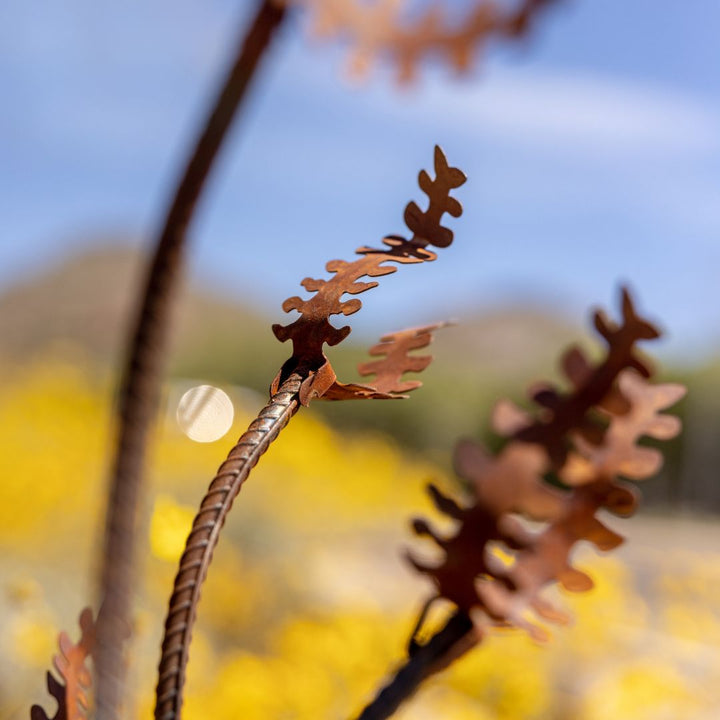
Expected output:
(87, 300)
(82, 301)
(86, 303)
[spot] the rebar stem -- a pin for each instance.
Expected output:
(203, 539)
(446, 645)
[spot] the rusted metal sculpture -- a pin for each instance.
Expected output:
(590, 387)
(145, 359)
(377, 29)
(305, 376)
(396, 360)
(71, 664)
(566, 435)
(389, 383)
(312, 330)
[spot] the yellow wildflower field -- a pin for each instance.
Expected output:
(309, 603)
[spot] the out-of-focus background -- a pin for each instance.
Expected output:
(593, 156)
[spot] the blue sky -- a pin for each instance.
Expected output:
(593, 156)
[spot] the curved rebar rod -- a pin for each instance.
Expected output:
(204, 537)
(142, 374)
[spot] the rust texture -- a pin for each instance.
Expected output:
(228, 481)
(73, 696)
(589, 436)
(306, 375)
(377, 29)
(591, 474)
(394, 349)
(512, 482)
(144, 367)
(312, 330)
(591, 387)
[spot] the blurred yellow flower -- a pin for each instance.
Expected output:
(169, 526)
(307, 607)
(647, 690)
(33, 637)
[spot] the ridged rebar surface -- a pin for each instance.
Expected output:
(203, 539)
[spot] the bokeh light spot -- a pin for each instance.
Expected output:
(205, 413)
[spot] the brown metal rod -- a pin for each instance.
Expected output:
(446, 645)
(204, 537)
(143, 372)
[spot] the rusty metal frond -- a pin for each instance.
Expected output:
(619, 454)
(504, 485)
(72, 697)
(396, 361)
(592, 474)
(592, 387)
(312, 330)
(512, 484)
(377, 30)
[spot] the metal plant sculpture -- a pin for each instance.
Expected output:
(589, 437)
(312, 330)
(147, 347)
(71, 664)
(377, 30)
(305, 376)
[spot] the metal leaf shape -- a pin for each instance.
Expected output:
(377, 29)
(512, 484)
(72, 697)
(594, 388)
(312, 330)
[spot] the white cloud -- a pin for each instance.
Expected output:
(579, 111)
(570, 110)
